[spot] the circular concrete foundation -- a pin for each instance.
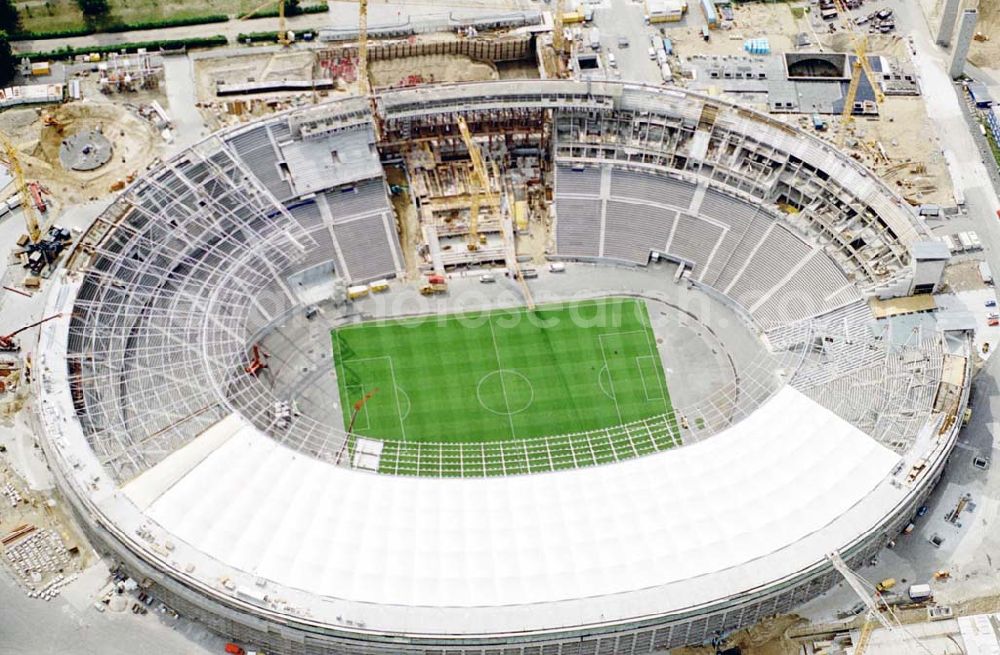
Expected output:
(87, 150)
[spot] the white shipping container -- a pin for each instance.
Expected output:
(985, 273)
(974, 238)
(953, 247)
(595, 38)
(920, 592)
(963, 238)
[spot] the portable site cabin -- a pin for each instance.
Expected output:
(711, 13)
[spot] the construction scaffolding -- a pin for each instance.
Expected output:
(128, 73)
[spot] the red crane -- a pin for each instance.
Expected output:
(257, 363)
(356, 409)
(7, 342)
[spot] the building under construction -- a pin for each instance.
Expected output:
(126, 73)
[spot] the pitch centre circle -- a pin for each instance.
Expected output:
(505, 392)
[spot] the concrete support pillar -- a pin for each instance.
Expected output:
(948, 17)
(966, 30)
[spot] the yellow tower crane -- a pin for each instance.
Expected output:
(282, 32)
(859, 67)
(364, 84)
(27, 202)
(482, 179)
(364, 87)
(485, 191)
(558, 35)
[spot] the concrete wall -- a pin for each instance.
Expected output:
(947, 27)
(506, 49)
(966, 30)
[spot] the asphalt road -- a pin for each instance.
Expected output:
(341, 13)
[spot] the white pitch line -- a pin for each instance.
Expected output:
(503, 385)
(655, 353)
(611, 380)
(395, 393)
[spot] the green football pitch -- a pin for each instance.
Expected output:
(502, 375)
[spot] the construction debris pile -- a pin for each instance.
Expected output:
(40, 256)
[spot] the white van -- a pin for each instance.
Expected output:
(612, 62)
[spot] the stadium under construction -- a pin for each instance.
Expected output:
(218, 408)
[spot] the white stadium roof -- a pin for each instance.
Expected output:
(787, 485)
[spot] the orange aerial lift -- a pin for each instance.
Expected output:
(7, 342)
(257, 363)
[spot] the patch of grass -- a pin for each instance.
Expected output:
(64, 16)
(494, 379)
(170, 44)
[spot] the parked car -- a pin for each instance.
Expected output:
(622, 41)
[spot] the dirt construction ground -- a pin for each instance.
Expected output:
(765, 638)
(135, 144)
(431, 68)
(984, 54)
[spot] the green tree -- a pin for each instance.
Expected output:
(8, 64)
(292, 8)
(93, 8)
(10, 20)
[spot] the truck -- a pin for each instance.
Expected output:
(963, 238)
(974, 238)
(885, 585)
(433, 289)
(987, 276)
(36, 195)
(920, 593)
(357, 291)
(594, 37)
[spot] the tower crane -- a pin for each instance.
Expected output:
(482, 179)
(874, 614)
(558, 35)
(282, 31)
(10, 158)
(364, 84)
(485, 191)
(364, 87)
(859, 67)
